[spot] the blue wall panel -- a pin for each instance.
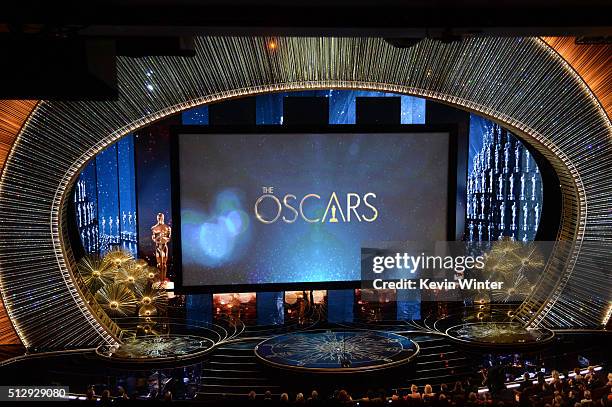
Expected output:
(340, 305)
(270, 308)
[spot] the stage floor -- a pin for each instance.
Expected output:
(333, 351)
(499, 334)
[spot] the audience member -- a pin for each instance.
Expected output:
(313, 400)
(556, 392)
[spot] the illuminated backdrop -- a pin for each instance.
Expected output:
(399, 182)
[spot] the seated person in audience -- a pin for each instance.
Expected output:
(486, 399)
(470, 386)
(526, 382)
(344, 397)
(443, 400)
(414, 393)
(542, 388)
(267, 400)
(556, 383)
(444, 390)
(428, 396)
(472, 400)
(313, 400)
(369, 396)
(524, 400)
(586, 399)
(577, 375)
(573, 397)
(458, 389)
(594, 379)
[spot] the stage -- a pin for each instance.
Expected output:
(337, 351)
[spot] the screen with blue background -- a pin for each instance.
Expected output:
(222, 175)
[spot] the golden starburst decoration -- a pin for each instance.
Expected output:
(148, 328)
(498, 259)
(507, 259)
(152, 296)
(117, 300)
(530, 259)
(96, 272)
(152, 273)
(147, 311)
(132, 277)
(515, 288)
(118, 256)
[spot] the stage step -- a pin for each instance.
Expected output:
(436, 349)
(232, 363)
(210, 379)
(431, 362)
(206, 395)
(231, 372)
(436, 356)
(228, 355)
(233, 369)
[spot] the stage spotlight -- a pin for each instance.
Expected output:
(272, 44)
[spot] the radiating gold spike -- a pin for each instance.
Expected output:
(117, 300)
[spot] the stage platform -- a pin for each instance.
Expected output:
(337, 351)
(499, 334)
(155, 349)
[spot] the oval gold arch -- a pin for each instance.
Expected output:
(520, 83)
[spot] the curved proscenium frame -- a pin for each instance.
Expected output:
(519, 82)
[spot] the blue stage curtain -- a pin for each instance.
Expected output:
(270, 308)
(199, 308)
(408, 305)
(152, 149)
(340, 305)
(127, 193)
(108, 197)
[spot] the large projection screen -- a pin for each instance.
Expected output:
(295, 208)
